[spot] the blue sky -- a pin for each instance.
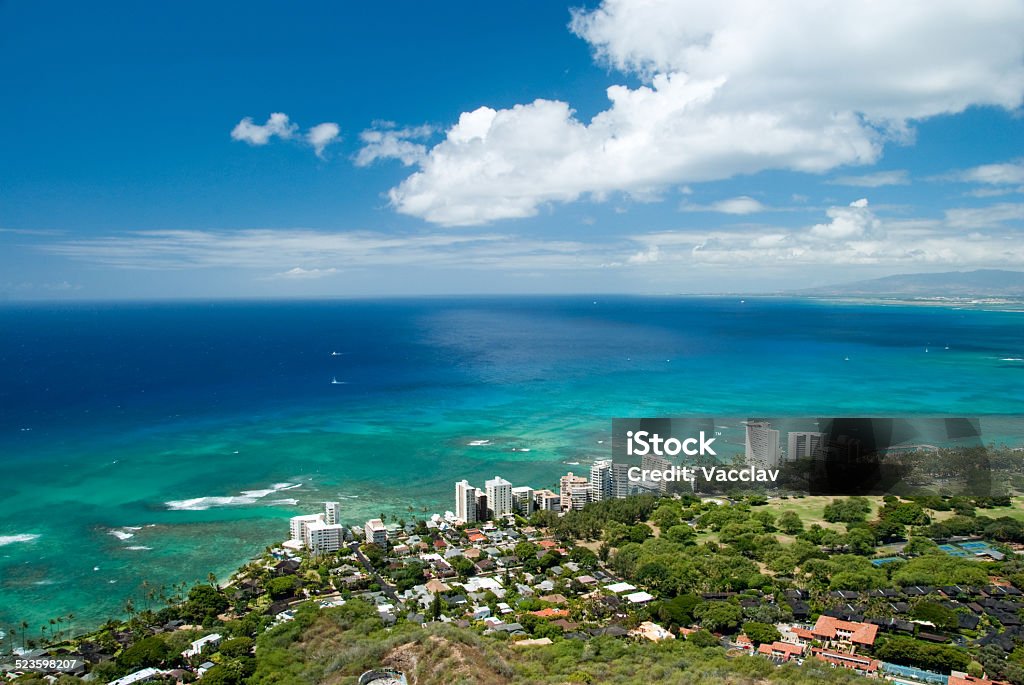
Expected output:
(183, 150)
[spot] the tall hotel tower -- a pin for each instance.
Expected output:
(762, 446)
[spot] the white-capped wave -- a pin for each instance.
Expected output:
(244, 498)
(121, 534)
(11, 539)
(284, 502)
(138, 547)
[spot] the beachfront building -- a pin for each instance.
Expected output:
(376, 533)
(499, 496)
(522, 500)
(574, 490)
(601, 482)
(324, 538)
(547, 500)
(465, 502)
(804, 445)
(297, 525)
(762, 445)
(332, 513)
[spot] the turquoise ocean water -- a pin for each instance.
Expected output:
(163, 442)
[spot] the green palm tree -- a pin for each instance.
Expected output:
(24, 627)
(71, 630)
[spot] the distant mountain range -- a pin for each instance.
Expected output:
(980, 283)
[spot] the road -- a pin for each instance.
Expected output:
(385, 587)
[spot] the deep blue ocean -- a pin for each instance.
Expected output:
(160, 442)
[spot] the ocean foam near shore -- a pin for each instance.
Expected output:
(246, 497)
(11, 539)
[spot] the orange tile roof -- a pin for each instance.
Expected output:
(551, 613)
(860, 663)
(972, 680)
(802, 633)
(861, 633)
(547, 544)
(788, 651)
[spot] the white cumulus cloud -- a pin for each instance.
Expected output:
(281, 126)
(322, 135)
(854, 236)
(387, 142)
(277, 124)
(854, 221)
(728, 88)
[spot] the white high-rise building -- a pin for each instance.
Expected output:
(297, 525)
(465, 502)
(323, 538)
(376, 533)
(601, 483)
(570, 484)
(762, 445)
(804, 445)
(499, 496)
(332, 512)
(522, 500)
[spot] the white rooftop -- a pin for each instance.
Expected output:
(137, 677)
(619, 588)
(639, 597)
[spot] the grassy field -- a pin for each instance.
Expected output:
(1016, 511)
(811, 510)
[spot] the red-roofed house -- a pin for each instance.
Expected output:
(781, 650)
(744, 643)
(802, 634)
(855, 662)
(547, 544)
(833, 630)
(551, 613)
(959, 678)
